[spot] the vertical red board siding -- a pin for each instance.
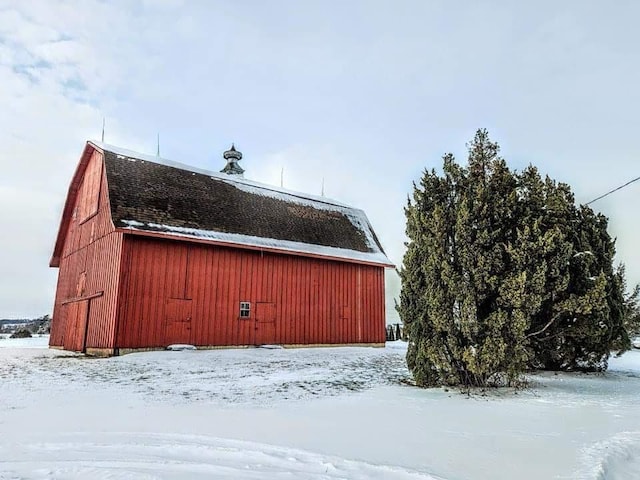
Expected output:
(103, 262)
(88, 267)
(311, 301)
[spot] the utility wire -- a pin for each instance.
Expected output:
(612, 191)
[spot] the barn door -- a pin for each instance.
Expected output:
(265, 323)
(177, 321)
(75, 335)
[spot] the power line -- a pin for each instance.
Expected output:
(612, 191)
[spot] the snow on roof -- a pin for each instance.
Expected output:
(270, 243)
(238, 182)
(328, 235)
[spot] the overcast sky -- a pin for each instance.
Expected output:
(363, 93)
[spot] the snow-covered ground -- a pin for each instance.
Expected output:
(302, 414)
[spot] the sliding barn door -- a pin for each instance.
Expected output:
(75, 336)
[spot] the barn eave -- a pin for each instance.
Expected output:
(268, 245)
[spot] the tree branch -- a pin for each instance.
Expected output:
(545, 327)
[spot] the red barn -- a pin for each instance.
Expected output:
(153, 253)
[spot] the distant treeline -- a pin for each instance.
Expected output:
(34, 325)
(21, 321)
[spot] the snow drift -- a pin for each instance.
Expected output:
(306, 413)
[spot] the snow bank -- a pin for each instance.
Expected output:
(178, 347)
(617, 458)
(304, 413)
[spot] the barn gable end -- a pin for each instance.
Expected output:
(87, 253)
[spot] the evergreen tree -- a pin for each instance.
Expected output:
(582, 314)
(631, 308)
(466, 324)
(503, 272)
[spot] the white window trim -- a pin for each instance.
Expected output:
(245, 307)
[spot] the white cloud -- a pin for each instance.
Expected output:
(365, 94)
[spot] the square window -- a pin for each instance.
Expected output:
(245, 309)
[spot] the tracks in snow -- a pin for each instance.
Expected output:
(124, 456)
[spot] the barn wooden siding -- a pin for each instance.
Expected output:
(85, 304)
(178, 292)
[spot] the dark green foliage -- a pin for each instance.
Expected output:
(631, 308)
(503, 272)
(582, 313)
(21, 333)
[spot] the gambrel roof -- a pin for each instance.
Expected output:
(161, 197)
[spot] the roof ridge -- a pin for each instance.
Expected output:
(221, 176)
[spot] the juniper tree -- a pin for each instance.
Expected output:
(463, 307)
(503, 272)
(630, 308)
(581, 317)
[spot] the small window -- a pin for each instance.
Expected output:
(245, 309)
